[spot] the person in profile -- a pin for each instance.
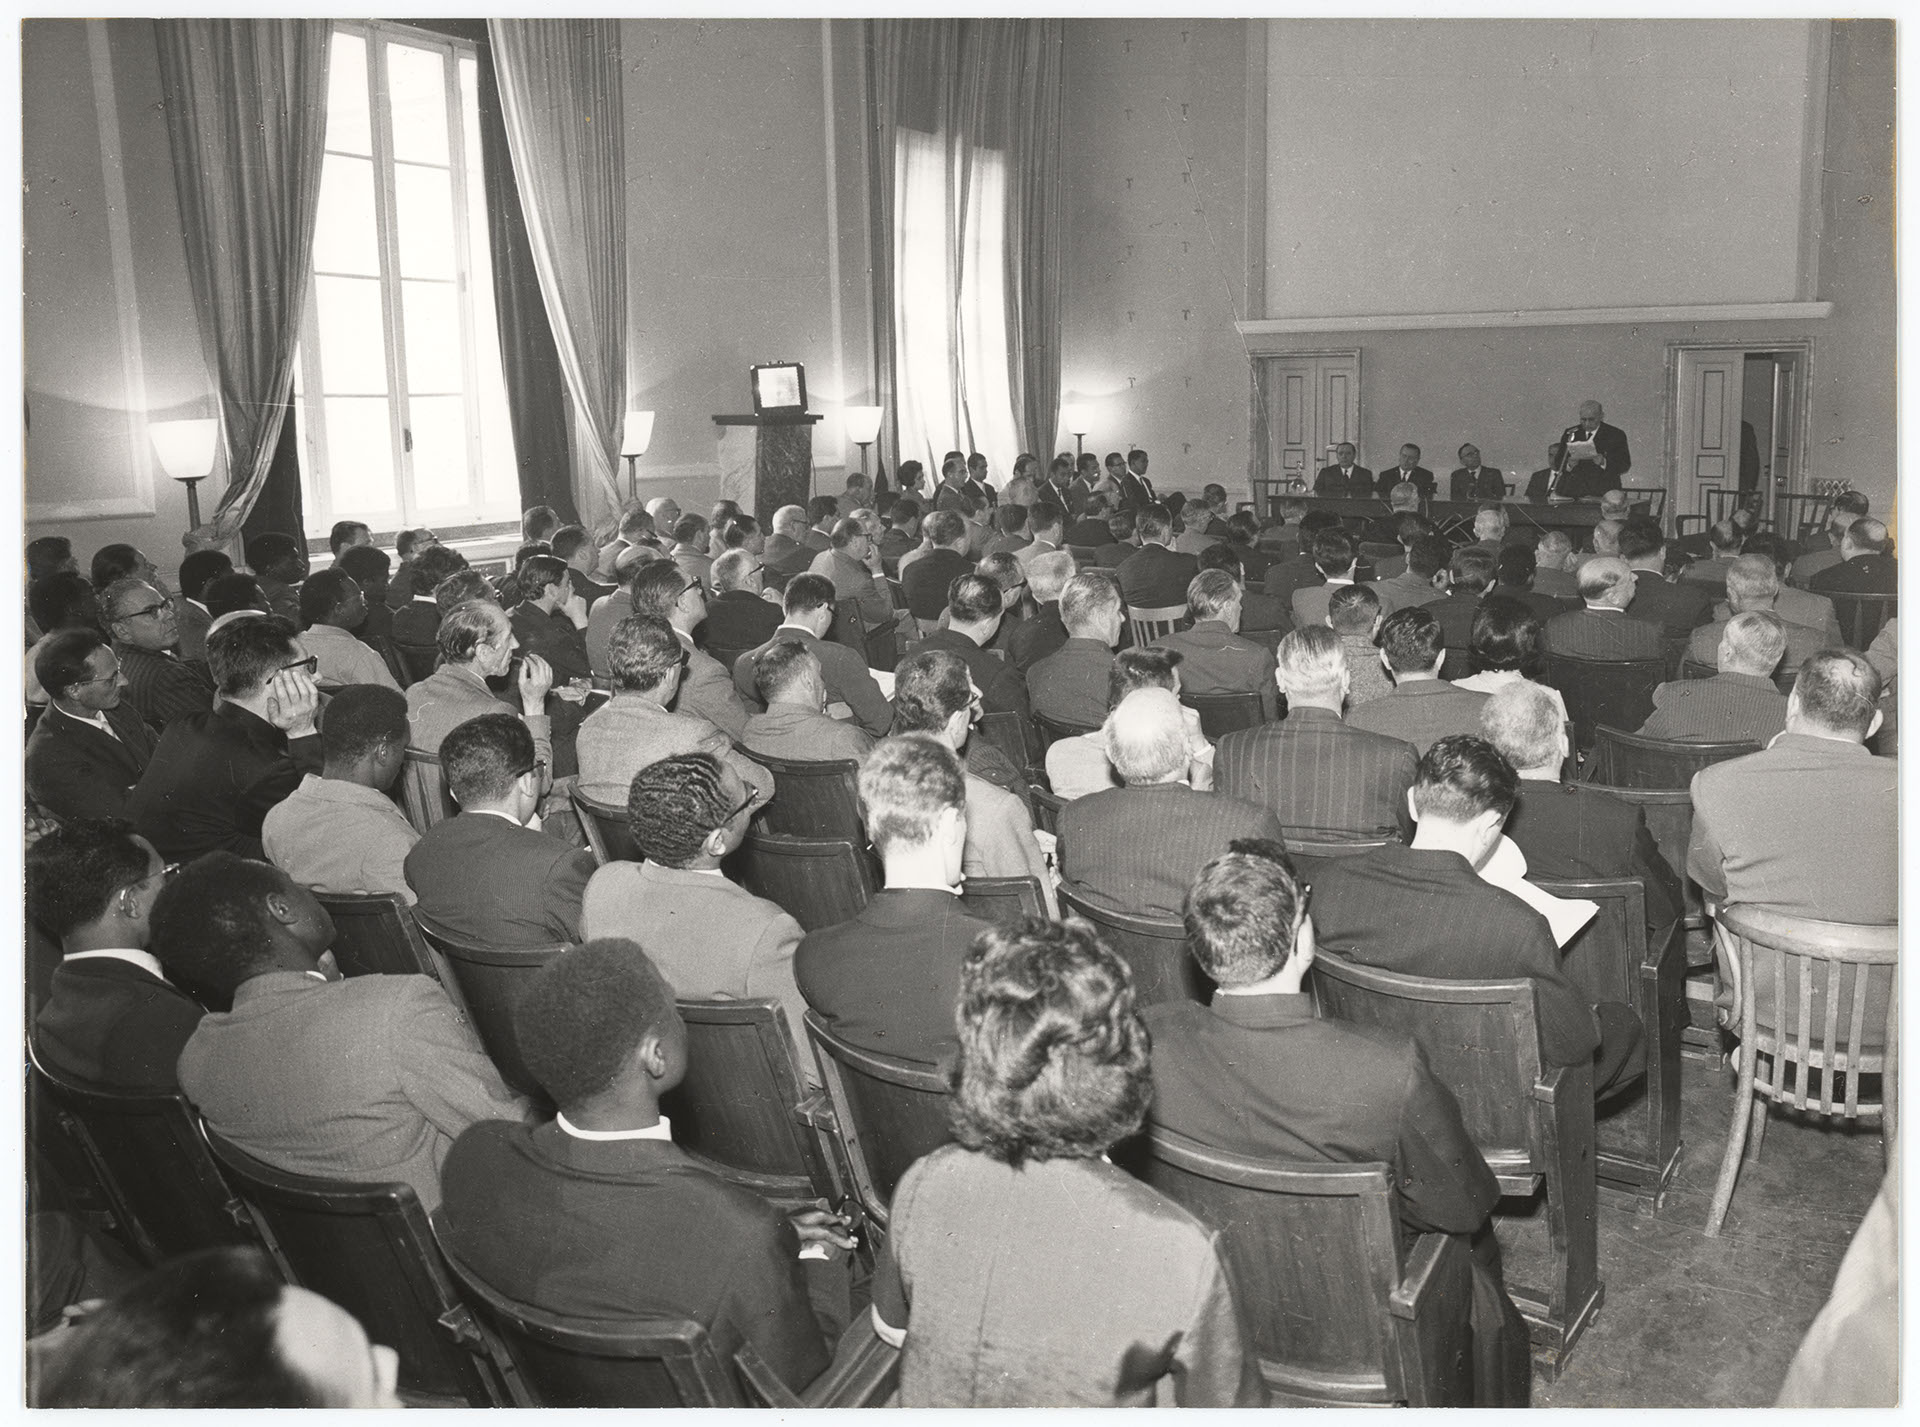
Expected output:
(1594, 457)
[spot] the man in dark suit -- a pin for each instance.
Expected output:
(146, 633)
(1089, 528)
(1473, 481)
(197, 571)
(112, 1016)
(1345, 477)
(1604, 629)
(740, 616)
(1136, 476)
(1409, 470)
(1423, 910)
(1423, 707)
(1544, 483)
(1471, 572)
(551, 618)
(889, 979)
(809, 615)
(1592, 477)
(572, 545)
(90, 747)
(1678, 608)
(1034, 639)
(485, 876)
(976, 484)
(1866, 567)
(1315, 772)
(1298, 570)
(1155, 576)
(1513, 580)
(925, 580)
(1215, 659)
(1070, 684)
(1256, 1073)
(788, 553)
(214, 775)
(975, 609)
(1136, 848)
(417, 620)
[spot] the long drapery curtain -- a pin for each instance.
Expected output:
(246, 115)
(965, 149)
(560, 99)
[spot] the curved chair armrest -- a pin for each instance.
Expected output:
(864, 1373)
(815, 1112)
(1423, 1273)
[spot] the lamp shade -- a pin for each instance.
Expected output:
(1078, 418)
(863, 424)
(186, 448)
(637, 433)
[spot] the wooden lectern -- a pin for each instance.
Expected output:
(766, 461)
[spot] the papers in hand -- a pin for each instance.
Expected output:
(1507, 869)
(1581, 451)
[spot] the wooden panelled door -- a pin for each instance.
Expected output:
(1711, 402)
(1313, 404)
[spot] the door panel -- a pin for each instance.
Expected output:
(1709, 426)
(1314, 404)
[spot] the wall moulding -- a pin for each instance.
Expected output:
(1263, 335)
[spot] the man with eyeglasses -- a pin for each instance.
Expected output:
(666, 591)
(91, 746)
(740, 615)
(146, 632)
(216, 774)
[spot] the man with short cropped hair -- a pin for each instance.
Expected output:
(146, 632)
(407, 546)
(346, 535)
(1136, 848)
(635, 532)
(279, 561)
(809, 615)
(1010, 530)
(1354, 615)
(1423, 707)
(1035, 638)
(1345, 477)
(740, 615)
(367, 566)
(116, 562)
(1046, 522)
(417, 621)
(1336, 557)
(902, 534)
(1473, 481)
(1154, 576)
(485, 876)
(1866, 564)
(197, 570)
(90, 748)
(216, 774)
(1472, 572)
(1427, 556)
(1678, 608)
(795, 726)
(1205, 520)
(1740, 702)
(689, 551)
(1402, 501)
(551, 619)
(1070, 685)
(339, 832)
(976, 608)
(1409, 470)
(925, 578)
(1214, 657)
(1824, 548)
(333, 606)
(1604, 629)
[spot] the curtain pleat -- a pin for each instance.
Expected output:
(560, 95)
(246, 113)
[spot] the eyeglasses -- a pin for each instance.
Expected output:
(753, 796)
(149, 609)
(539, 765)
(311, 664)
(689, 586)
(111, 676)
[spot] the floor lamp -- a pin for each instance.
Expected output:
(636, 434)
(863, 429)
(1077, 423)
(186, 450)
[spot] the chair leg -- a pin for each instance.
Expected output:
(1736, 1141)
(1759, 1131)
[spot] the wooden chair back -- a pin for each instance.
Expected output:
(416, 661)
(1147, 625)
(1314, 849)
(887, 1113)
(1046, 808)
(390, 655)
(1669, 815)
(738, 1106)
(1222, 714)
(1155, 950)
(374, 934)
(1335, 1314)
(813, 800)
(818, 881)
(491, 981)
(1694, 669)
(1052, 730)
(1007, 731)
(369, 1248)
(1648, 500)
(1618, 692)
(151, 1165)
(424, 795)
(1800, 516)
(1376, 551)
(1861, 616)
(1630, 760)
(609, 834)
(1002, 899)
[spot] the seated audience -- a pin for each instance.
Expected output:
(1136, 848)
(1320, 775)
(1079, 765)
(1257, 1073)
(91, 747)
(1426, 576)
(1299, 569)
(369, 1079)
(1155, 576)
(633, 537)
(1472, 572)
(1678, 607)
(1214, 657)
(333, 607)
(62, 600)
(740, 616)
(1243, 538)
(1045, 633)
(1041, 1304)
(1866, 564)
(484, 876)
(976, 607)
(689, 552)
(635, 727)
(1204, 521)
(853, 566)
(215, 1328)
(1070, 685)
(233, 596)
(934, 695)
(1353, 614)
(1336, 558)
(215, 775)
(1507, 646)
(407, 545)
(1551, 558)
(902, 534)
(550, 619)
(339, 832)
(1603, 629)
(888, 980)
(1423, 706)
(823, 513)
(279, 562)
(1724, 540)
(367, 566)
(1806, 827)
(350, 535)
(1046, 523)
(1422, 910)
(146, 631)
(1740, 703)
(597, 1214)
(112, 1017)
(809, 610)
(417, 620)
(795, 726)
(113, 563)
(1089, 529)
(1801, 607)
(925, 578)
(1490, 528)
(476, 644)
(197, 571)
(668, 593)
(1824, 549)
(1122, 540)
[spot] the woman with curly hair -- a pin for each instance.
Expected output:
(1022, 1269)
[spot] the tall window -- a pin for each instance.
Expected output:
(400, 401)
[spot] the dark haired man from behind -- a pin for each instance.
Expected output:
(339, 832)
(1257, 1073)
(598, 1214)
(112, 1016)
(809, 615)
(1155, 576)
(795, 726)
(215, 775)
(91, 746)
(1423, 706)
(197, 571)
(976, 607)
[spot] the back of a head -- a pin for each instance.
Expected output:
(540, 571)
(903, 511)
(1146, 737)
(74, 871)
(1334, 550)
(1514, 568)
(1405, 495)
(539, 522)
(1311, 522)
(1641, 539)
(1241, 912)
(1606, 537)
(1836, 693)
(844, 533)
(822, 508)
(641, 652)
(343, 534)
(1010, 519)
(367, 565)
(1506, 635)
(1553, 549)
(245, 654)
(1851, 505)
(234, 590)
(782, 670)
(1004, 570)
(945, 528)
(359, 718)
(656, 588)
(462, 587)
(1473, 568)
(568, 541)
(690, 529)
(928, 689)
(1601, 578)
(1049, 574)
(1222, 556)
(321, 594)
(1869, 537)
(1753, 582)
(49, 553)
(210, 924)
(584, 1013)
(806, 594)
(465, 627)
(113, 562)
(731, 570)
(1352, 609)
(202, 567)
(674, 804)
(1723, 536)
(433, 565)
(1522, 721)
(1460, 777)
(636, 525)
(1753, 643)
(1428, 556)
(1310, 662)
(65, 599)
(1489, 523)
(1243, 527)
(1121, 526)
(485, 756)
(1154, 523)
(270, 549)
(1211, 593)
(1613, 505)
(906, 782)
(1089, 601)
(1149, 668)
(407, 541)
(1411, 639)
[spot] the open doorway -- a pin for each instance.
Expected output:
(1738, 422)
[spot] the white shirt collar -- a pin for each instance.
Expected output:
(423, 599)
(661, 1129)
(494, 813)
(99, 720)
(142, 959)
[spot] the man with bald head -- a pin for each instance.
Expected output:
(146, 636)
(1034, 639)
(1740, 702)
(787, 554)
(1604, 629)
(1551, 556)
(1753, 584)
(1584, 476)
(1138, 847)
(1866, 567)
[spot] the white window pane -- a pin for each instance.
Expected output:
(425, 200)
(988, 414)
(499, 469)
(360, 454)
(344, 237)
(432, 311)
(353, 339)
(349, 127)
(440, 452)
(922, 317)
(417, 93)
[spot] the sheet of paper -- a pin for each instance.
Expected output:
(1507, 869)
(884, 680)
(1581, 451)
